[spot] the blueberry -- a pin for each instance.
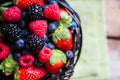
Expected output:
(73, 25)
(16, 56)
(53, 2)
(49, 45)
(44, 6)
(24, 33)
(24, 14)
(69, 54)
(37, 63)
(22, 23)
(45, 38)
(52, 27)
(20, 43)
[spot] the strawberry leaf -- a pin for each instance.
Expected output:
(63, 15)
(63, 57)
(16, 73)
(2, 9)
(66, 25)
(61, 33)
(8, 65)
(57, 54)
(7, 4)
(69, 19)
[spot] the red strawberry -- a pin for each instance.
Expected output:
(64, 44)
(63, 11)
(30, 73)
(12, 14)
(52, 12)
(63, 39)
(54, 68)
(65, 17)
(4, 51)
(44, 55)
(57, 61)
(23, 4)
(38, 27)
(26, 60)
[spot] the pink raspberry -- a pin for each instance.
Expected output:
(4, 51)
(12, 14)
(44, 55)
(26, 60)
(38, 27)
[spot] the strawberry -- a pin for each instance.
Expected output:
(53, 69)
(38, 27)
(23, 4)
(12, 14)
(8, 65)
(30, 73)
(51, 12)
(64, 12)
(65, 16)
(57, 61)
(62, 39)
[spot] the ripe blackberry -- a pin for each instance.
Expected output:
(11, 30)
(34, 12)
(34, 43)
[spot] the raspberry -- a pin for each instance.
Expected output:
(52, 12)
(4, 51)
(38, 27)
(12, 14)
(34, 43)
(11, 30)
(24, 4)
(26, 60)
(44, 55)
(34, 12)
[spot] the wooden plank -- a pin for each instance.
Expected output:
(114, 52)
(113, 17)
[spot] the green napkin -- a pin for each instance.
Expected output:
(93, 63)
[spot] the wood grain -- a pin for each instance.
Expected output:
(113, 30)
(113, 17)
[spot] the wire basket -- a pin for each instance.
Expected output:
(67, 71)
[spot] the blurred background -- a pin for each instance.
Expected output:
(100, 57)
(113, 32)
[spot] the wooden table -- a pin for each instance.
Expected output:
(113, 32)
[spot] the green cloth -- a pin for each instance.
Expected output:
(93, 63)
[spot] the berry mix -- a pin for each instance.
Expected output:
(36, 38)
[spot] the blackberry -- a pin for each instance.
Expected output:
(11, 30)
(34, 12)
(34, 43)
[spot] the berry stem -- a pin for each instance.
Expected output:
(2, 9)
(7, 4)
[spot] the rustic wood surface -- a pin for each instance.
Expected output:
(113, 17)
(113, 31)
